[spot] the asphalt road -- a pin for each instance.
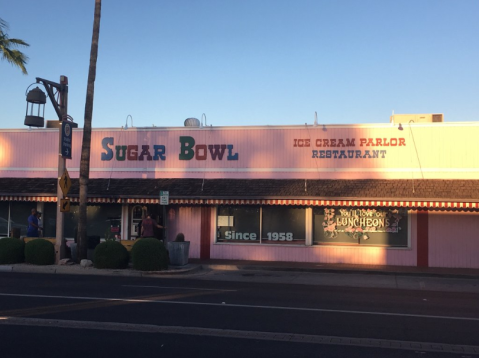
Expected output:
(76, 316)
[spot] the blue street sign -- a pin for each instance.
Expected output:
(66, 140)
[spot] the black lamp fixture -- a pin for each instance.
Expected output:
(400, 127)
(36, 99)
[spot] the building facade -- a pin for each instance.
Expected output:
(386, 194)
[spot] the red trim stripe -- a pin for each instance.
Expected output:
(306, 202)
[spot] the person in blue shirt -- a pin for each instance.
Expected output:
(32, 230)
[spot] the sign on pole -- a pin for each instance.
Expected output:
(65, 183)
(164, 197)
(65, 205)
(66, 139)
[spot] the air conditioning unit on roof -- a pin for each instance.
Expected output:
(417, 118)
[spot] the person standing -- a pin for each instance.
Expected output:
(32, 230)
(148, 226)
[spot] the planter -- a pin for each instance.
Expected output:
(178, 252)
(51, 239)
(128, 243)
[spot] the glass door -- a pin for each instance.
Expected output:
(137, 214)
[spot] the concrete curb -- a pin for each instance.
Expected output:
(5, 268)
(223, 267)
(78, 270)
(174, 271)
(196, 267)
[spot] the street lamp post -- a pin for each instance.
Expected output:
(37, 97)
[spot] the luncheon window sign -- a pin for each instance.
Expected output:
(357, 223)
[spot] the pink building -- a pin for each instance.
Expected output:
(389, 194)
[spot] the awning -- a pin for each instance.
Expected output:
(352, 203)
(293, 202)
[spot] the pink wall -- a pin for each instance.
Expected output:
(435, 150)
(320, 254)
(454, 239)
(188, 221)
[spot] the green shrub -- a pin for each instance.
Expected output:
(40, 252)
(180, 237)
(12, 251)
(149, 254)
(110, 255)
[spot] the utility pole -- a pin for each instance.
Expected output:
(65, 125)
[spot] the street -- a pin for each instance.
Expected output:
(206, 316)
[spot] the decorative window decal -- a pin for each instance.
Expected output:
(367, 226)
(358, 222)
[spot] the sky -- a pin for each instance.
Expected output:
(248, 62)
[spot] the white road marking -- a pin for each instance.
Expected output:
(140, 300)
(182, 288)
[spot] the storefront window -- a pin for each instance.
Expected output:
(360, 226)
(102, 220)
(283, 225)
(243, 224)
(4, 219)
(237, 224)
(49, 216)
(19, 213)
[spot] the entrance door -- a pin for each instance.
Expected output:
(137, 214)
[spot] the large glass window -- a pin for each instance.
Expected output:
(360, 226)
(284, 225)
(261, 225)
(238, 224)
(19, 213)
(102, 220)
(4, 219)
(49, 216)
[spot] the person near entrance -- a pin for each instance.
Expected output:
(148, 226)
(33, 227)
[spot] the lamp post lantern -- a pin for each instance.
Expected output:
(36, 97)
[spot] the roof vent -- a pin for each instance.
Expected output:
(192, 122)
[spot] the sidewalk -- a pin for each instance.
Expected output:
(228, 265)
(196, 265)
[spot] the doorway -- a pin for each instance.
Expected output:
(138, 213)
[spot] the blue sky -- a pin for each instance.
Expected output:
(249, 62)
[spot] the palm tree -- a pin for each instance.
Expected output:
(86, 143)
(8, 51)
